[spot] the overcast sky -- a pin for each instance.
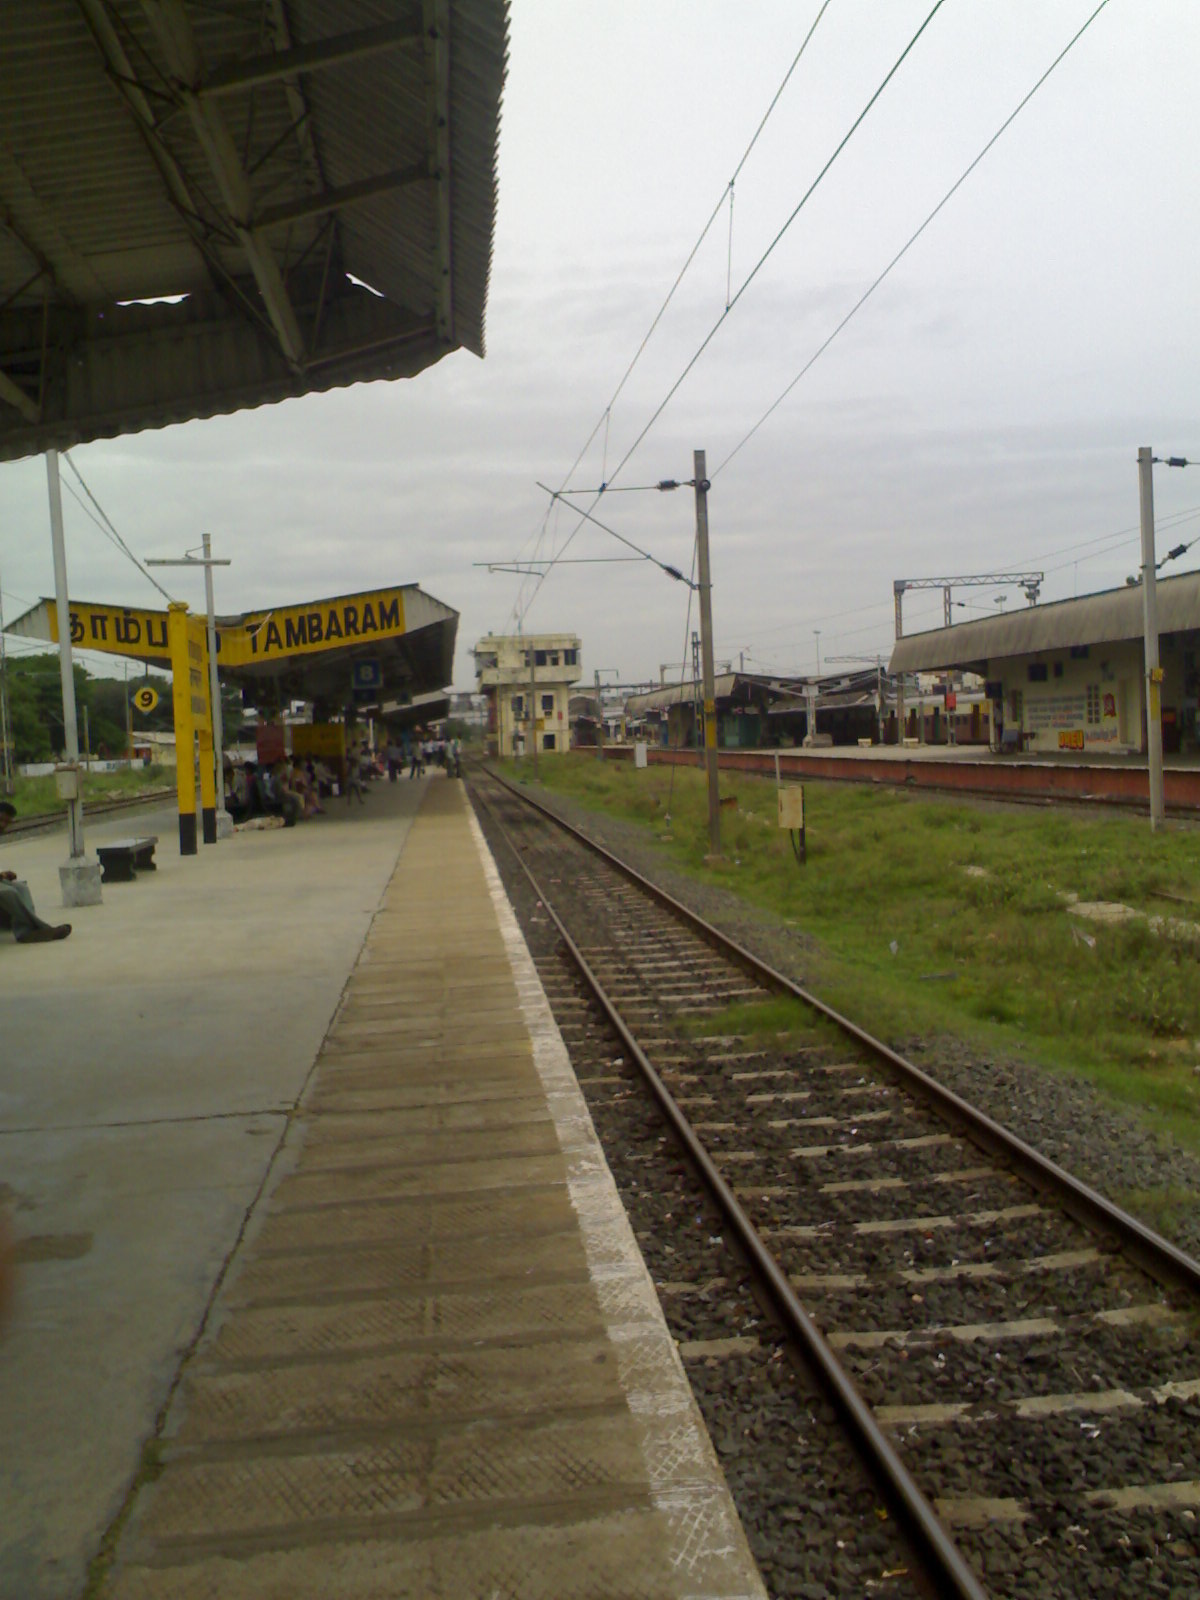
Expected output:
(981, 413)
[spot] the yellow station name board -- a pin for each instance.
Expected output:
(260, 636)
(320, 625)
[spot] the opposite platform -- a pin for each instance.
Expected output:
(437, 1367)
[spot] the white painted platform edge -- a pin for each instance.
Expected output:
(687, 1483)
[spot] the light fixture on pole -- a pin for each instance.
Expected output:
(224, 822)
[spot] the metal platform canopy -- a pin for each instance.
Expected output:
(384, 648)
(1108, 617)
(410, 664)
(306, 187)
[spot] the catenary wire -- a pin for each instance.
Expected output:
(903, 251)
(106, 526)
(753, 273)
(605, 417)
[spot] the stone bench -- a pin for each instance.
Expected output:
(122, 859)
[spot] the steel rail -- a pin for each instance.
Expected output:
(41, 820)
(1163, 1260)
(948, 1570)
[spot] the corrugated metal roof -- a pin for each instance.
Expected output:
(678, 694)
(248, 156)
(1103, 618)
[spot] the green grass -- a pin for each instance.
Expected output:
(907, 940)
(35, 796)
(781, 1019)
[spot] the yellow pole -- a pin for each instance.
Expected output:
(185, 767)
(208, 788)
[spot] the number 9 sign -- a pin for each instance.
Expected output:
(145, 699)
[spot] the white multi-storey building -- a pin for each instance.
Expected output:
(506, 679)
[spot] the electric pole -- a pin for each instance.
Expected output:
(7, 755)
(532, 719)
(1154, 753)
(699, 466)
(79, 876)
(599, 720)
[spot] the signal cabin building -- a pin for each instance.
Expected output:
(1069, 677)
(503, 677)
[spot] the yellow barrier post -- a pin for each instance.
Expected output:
(200, 701)
(185, 739)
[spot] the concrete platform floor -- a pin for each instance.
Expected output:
(408, 1343)
(148, 1066)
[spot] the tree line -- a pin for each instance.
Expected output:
(36, 713)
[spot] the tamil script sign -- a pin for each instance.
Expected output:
(259, 636)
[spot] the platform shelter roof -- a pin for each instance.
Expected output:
(379, 647)
(732, 687)
(1105, 618)
(304, 189)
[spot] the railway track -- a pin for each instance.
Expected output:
(1012, 1354)
(40, 821)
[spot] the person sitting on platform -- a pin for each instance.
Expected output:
(323, 778)
(240, 799)
(356, 783)
(285, 800)
(27, 926)
(305, 787)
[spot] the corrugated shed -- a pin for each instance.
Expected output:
(253, 156)
(1104, 618)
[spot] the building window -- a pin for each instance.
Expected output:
(548, 741)
(518, 705)
(554, 658)
(1079, 652)
(547, 702)
(1093, 703)
(1037, 672)
(1058, 669)
(570, 658)
(540, 657)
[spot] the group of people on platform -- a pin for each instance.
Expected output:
(422, 752)
(294, 788)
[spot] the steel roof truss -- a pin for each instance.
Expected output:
(337, 199)
(12, 394)
(173, 32)
(330, 52)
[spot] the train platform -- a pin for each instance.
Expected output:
(965, 769)
(326, 1289)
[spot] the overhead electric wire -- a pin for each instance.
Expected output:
(1112, 540)
(643, 555)
(106, 526)
(606, 414)
(754, 271)
(903, 251)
